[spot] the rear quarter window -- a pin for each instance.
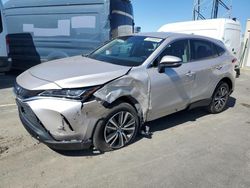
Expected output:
(219, 49)
(202, 49)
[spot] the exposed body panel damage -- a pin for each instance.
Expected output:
(66, 120)
(132, 85)
(75, 117)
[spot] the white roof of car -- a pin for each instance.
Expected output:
(165, 35)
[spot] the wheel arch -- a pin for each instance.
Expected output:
(211, 107)
(225, 80)
(228, 81)
(132, 101)
(127, 99)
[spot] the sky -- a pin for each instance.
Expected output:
(152, 14)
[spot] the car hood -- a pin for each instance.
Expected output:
(78, 71)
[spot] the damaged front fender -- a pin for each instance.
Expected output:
(135, 85)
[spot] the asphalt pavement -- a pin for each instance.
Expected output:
(187, 149)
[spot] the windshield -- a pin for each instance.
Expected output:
(127, 51)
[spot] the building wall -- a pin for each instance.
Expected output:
(246, 60)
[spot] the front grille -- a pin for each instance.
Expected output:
(23, 93)
(29, 115)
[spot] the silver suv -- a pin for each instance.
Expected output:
(103, 99)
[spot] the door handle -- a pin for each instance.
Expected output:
(190, 73)
(219, 67)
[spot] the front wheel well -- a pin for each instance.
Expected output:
(130, 100)
(133, 102)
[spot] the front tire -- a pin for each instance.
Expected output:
(118, 129)
(219, 99)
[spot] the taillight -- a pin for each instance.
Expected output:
(234, 60)
(7, 44)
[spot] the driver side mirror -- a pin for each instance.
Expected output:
(169, 62)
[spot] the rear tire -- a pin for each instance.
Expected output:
(219, 99)
(118, 129)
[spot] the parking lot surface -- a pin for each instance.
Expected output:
(187, 149)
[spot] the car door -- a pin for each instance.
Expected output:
(203, 60)
(171, 90)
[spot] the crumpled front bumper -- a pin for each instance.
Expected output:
(43, 136)
(59, 123)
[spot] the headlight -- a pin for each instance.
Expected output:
(78, 94)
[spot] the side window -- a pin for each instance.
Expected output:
(202, 50)
(1, 24)
(179, 49)
(220, 50)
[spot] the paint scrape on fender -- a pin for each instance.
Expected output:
(128, 85)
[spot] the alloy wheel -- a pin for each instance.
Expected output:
(221, 98)
(119, 129)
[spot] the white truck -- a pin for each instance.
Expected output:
(226, 30)
(4, 63)
(44, 30)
